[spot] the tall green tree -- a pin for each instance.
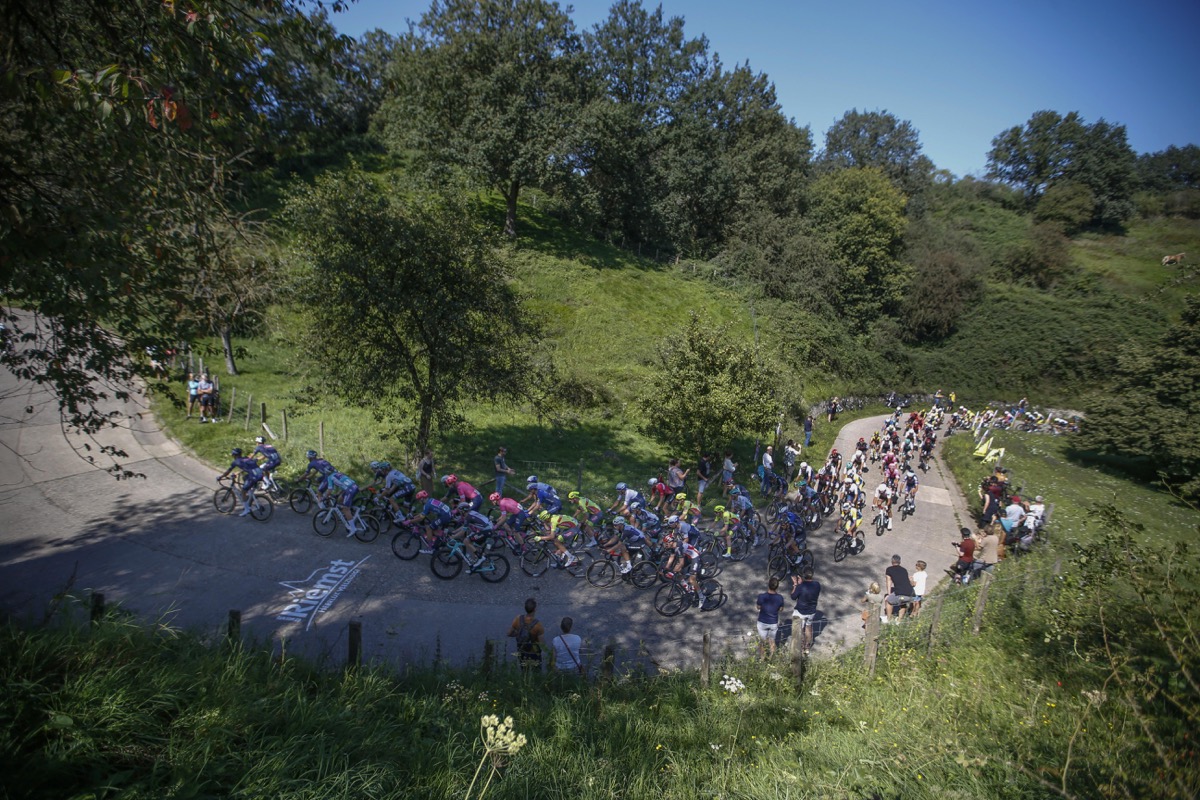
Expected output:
(1148, 415)
(879, 139)
(860, 214)
(408, 299)
(709, 390)
(493, 87)
(120, 127)
(1051, 148)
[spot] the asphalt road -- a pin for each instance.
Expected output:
(156, 546)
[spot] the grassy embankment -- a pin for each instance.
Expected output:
(1018, 711)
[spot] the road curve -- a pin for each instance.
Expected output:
(156, 546)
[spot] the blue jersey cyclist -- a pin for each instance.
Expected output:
(396, 485)
(271, 457)
(435, 514)
(318, 465)
(336, 482)
(685, 557)
(626, 497)
(543, 495)
(613, 541)
(251, 473)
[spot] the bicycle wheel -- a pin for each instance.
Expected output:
(446, 562)
(495, 569)
(602, 574)
(644, 575)
(710, 566)
(739, 548)
(369, 531)
(406, 544)
(841, 548)
(880, 524)
(300, 501)
(807, 561)
(778, 566)
(583, 561)
(326, 521)
(813, 519)
(261, 508)
(225, 499)
(714, 595)
(382, 517)
(535, 561)
(670, 600)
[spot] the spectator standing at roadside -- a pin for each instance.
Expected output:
(676, 476)
(987, 552)
(899, 589)
(808, 430)
(502, 469)
(568, 649)
(966, 554)
(919, 580)
(425, 471)
(806, 592)
(206, 389)
(768, 466)
(790, 452)
(873, 600)
(528, 632)
(704, 470)
(193, 389)
(768, 604)
(727, 470)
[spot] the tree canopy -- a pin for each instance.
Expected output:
(408, 299)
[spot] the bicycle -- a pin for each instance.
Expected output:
(365, 528)
(541, 556)
(673, 598)
(605, 570)
(909, 507)
(227, 498)
(303, 497)
(409, 541)
(448, 560)
(847, 544)
(273, 489)
(782, 563)
(882, 520)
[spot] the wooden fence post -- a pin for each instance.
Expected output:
(262, 414)
(232, 400)
(284, 415)
(489, 655)
(937, 618)
(706, 660)
(872, 648)
(97, 607)
(321, 438)
(608, 664)
(981, 600)
(354, 657)
(233, 631)
(249, 405)
(796, 654)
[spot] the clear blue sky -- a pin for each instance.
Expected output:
(961, 72)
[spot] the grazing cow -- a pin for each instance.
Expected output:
(1175, 259)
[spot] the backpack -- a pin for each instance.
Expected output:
(525, 634)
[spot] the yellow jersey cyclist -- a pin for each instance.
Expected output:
(590, 515)
(726, 521)
(558, 528)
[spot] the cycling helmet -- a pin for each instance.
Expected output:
(833, 452)
(861, 439)
(450, 480)
(494, 498)
(422, 495)
(719, 510)
(636, 506)
(803, 465)
(464, 506)
(673, 519)
(621, 486)
(653, 482)
(573, 496)
(734, 491)
(375, 466)
(310, 455)
(259, 440)
(849, 477)
(846, 506)
(235, 452)
(619, 522)
(531, 479)
(385, 466)
(680, 498)
(543, 515)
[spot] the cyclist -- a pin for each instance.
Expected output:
(834, 462)
(435, 514)
(590, 516)
(660, 493)
(686, 529)
(341, 482)
(471, 525)
(511, 513)
(852, 493)
(251, 472)
(686, 509)
(743, 506)
(883, 500)
(543, 495)
(793, 534)
(395, 485)
(463, 492)
(876, 442)
(612, 542)
(684, 559)
(317, 465)
(559, 526)
(806, 472)
(271, 458)
(726, 522)
(911, 484)
(626, 497)
(851, 520)
(648, 519)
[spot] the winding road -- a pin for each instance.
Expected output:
(156, 546)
